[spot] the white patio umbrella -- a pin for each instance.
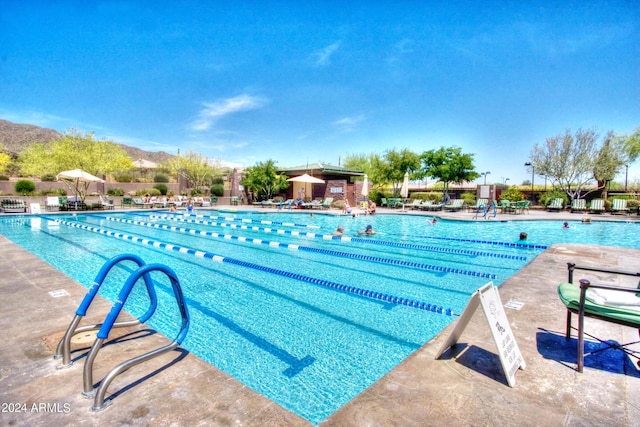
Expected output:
(306, 179)
(365, 186)
(404, 191)
(78, 180)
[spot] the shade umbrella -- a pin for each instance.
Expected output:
(306, 179)
(78, 180)
(365, 186)
(404, 191)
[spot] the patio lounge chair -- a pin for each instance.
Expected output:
(619, 206)
(455, 205)
(416, 204)
(615, 304)
(596, 206)
(556, 205)
(140, 203)
(480, 204)
(52, 204)
(106, 203)
(578, 205)
(13, 206)
(126, 201)
(505, 206)
(326, 204)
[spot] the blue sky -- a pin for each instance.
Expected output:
(294, 82)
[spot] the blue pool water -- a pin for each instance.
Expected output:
(305, 319)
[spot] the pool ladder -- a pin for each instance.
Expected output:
(63, 350)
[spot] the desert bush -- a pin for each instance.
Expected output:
(161, 188)
(115, 191)
(24, 187)
(48, 178)
(546, 198)
(217, 190)
(161, 178)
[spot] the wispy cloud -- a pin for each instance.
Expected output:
(322, 57)
(214, 111)
(347, 124)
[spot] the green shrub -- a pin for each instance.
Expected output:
(48, 177)
(546, 198)
(196, 192)
(115, 191)
(513, 194)
(161, 178)
(161, 188)
(469, 198)
(217, 190)
(217, 180)
(122, 178)
(61, 192)
(24, 187)
(4, 178)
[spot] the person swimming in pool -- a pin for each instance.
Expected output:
(339, 231)
(368, 230)
(433, 221)
(565, 225)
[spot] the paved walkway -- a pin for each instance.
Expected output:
(464, 388)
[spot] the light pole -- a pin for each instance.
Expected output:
(626, 175)
(485, 176)
(533, 169)
(505, 181)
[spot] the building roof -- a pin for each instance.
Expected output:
(319, 168)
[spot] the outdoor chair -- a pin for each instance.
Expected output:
(455, 205)
(384, 202)
(106, 203)
(126, 201)
(596, 206)
(480, 204)
(556, 205)
(578, 205)
(619, 206)
(52, 203)
(615, 304)
(505, 206)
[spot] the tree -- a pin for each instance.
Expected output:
(449, 165)
(264, 180)
(5, 159)
(631, 145)
(608, 162)
(198, 170)
(371, 164)
(396, 164)
(74, 150)
(568, 160)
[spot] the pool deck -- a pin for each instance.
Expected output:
(464, 388)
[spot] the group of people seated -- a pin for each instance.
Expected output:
(369, 210)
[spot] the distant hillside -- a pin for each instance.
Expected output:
(16, 136)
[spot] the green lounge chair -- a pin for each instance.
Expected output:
(578, 205)
(556, 205)
(619, 206)
(596, 206)
(455, 205)
(577, 301)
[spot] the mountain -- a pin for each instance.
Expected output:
(16, 136)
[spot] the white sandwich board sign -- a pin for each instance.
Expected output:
(510, 356)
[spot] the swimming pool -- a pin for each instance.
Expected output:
(305, 319)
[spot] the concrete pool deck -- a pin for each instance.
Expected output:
(467, 388)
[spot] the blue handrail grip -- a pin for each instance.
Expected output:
(103, 333)
(102, 274)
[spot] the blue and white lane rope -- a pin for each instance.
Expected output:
(488, 242)
(342, 238)
(329, 252)
(254, 221)
(391, 299)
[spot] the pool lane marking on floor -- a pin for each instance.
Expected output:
(379, 296)
(346, 239)
(329, 252)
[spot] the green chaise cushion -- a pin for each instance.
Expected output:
(570, 296)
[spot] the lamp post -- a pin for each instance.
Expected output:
(505, 181)
(533, 169)
(626, 175)
(485, 176)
